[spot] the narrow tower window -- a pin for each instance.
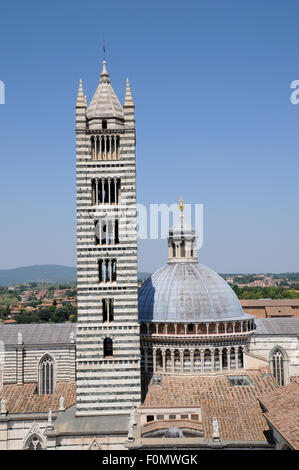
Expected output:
(108, 347)
(104, 124)
(107, 270)
(105, 191)
(107, 305)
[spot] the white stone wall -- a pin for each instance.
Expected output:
(21, 364)
(14, 432)
(263, 345)
(96, 442)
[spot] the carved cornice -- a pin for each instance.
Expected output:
(104, 131)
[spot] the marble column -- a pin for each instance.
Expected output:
(154, 360)
(146, 359)
(220, 359)
(103, 190)
(109, 190)
(236, 358)
(212, 360)
(202, 360)
(172, 360)
(182, 360)
(97, 191)
(163, 361)
(191, 360)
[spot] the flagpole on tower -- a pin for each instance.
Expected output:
(104, 50)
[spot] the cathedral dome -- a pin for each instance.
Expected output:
(188, 292)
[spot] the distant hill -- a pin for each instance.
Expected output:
(38, 273)
(43, 273)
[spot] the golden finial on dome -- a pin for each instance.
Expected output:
(181, 205)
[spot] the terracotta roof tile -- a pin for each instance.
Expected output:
(282, 407)
(236, 407)
(24, 398)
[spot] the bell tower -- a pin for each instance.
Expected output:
(108, 349)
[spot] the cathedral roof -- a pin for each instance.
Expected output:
(23, 398)
(282, 411)
(37, 333)
(104, 103)
(235, 407)
(188, 292)
(277, 326)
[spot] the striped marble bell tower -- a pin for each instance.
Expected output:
(108, 349)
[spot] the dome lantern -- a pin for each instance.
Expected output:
(182, 240)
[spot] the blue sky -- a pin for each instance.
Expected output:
(211, 84)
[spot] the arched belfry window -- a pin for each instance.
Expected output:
(278, 366)
(46, 375)
(108, 347)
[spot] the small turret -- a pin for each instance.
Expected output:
(129, 107)
(80, 108)
(80, 97)
(182, 241)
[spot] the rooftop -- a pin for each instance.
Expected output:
(282, 407)
(236, 407)
(105, 103)
(24, 398)
(269, 302)
(37, 333)
(188, 292)
(277, 326)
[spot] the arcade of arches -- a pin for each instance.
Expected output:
(197, 329)
(182, 360)
(178, 348)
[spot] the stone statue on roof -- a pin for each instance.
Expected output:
(50, 421)
(61, 403)
(215, 424)
(3, 406)
(20, 337)
(132, 422)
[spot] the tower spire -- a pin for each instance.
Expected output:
(104, 75)
(128, 97)
(80, 97)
